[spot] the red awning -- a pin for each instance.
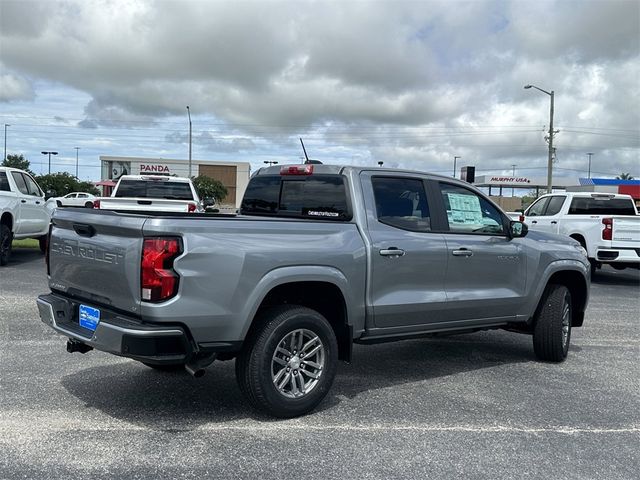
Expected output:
(106, 183)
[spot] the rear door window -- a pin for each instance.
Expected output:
(555, 205)
(402, 203)
(20, 183)
(4, 182)
(32, 186)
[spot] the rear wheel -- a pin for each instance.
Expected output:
(552, 331)
(88, 205)
(6, 237)
(287, 367)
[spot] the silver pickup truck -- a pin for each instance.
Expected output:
(319, 258)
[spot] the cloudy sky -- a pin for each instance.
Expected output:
(412, 84)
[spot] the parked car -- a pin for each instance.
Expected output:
(22, 210)
(74, 199)
(152, 193)
(607, 225)
(321, 257)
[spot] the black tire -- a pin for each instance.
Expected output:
(88, 205)
(552, 330)
(42, 243)
(6, 237)
(594, 266)
(164, 367)
(256, 362)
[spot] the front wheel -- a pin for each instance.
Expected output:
(287, 366)
(6, 237)
(552, 331)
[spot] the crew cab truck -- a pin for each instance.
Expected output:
(606, 225)
(22, 210)
(319, 258)
(151, 193)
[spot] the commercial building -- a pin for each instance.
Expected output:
(233, 175)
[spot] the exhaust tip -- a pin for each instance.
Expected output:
(195, 371)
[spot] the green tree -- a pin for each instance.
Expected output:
(208, 187)
(17, 161)
(624, 176)
(63, 182)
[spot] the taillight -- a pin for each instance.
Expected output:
(191, 208)
(158, 279)
(607, 231)
(96, 204)
(306, 169)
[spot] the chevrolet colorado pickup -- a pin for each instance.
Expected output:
(320, 257)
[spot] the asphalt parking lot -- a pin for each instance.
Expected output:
(470, 406)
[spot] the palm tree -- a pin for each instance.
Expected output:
(624, 176)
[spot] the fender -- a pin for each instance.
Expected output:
(304, 273)
(552, 268)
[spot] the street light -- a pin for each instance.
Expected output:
(551, 132)
(270, 162)
(77, 148)
(5, 140)
(454, 165)
(49, 153)
(189, 113)
(590, 155)
(380, 163)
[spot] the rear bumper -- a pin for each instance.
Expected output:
(618, 255)
(116, 333)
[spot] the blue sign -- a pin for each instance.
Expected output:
(89, 317)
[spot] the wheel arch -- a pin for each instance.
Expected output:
(7, 219)
(323, 296)
(578, 288)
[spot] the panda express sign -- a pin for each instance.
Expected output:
(156, 168)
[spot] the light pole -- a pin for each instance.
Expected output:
(77, 148)
(590, 155)
(270, 162)
(49, 153)
(550, 159)
(380, 163)
(189, 113)
(454, 165)
(5, 140)
(514, 179)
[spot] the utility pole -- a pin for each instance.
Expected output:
(77, 148)
(189, 113)
(590, 155)
(454, 165)
(514, 179)
(551, 133)
(5, 140)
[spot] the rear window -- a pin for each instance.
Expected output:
(322, 197)
(4, 183)
(601, 206)
(154, 189)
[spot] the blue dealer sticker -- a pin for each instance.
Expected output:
(89, 317)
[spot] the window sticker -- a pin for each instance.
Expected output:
(465, 209)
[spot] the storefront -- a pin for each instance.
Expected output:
(233, 175)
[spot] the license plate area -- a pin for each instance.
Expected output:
(88, 317)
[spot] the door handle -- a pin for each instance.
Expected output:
(37, 202)
(392, 252)
(463, 252)
(534, 221)
(23, 201)
(554, 222)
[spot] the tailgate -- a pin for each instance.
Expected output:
(145, 204)
(95, 256)
(626, 230)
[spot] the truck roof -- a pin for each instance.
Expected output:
(157, 178)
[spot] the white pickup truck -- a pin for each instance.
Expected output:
(22, 210)
(151, 193)
(607, 225)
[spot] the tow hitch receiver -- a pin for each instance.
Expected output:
(76, 346)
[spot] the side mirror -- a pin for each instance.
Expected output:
(208, 202)
(518, 229)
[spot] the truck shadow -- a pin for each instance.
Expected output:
(170, 402)
(609, 276)
(21, 255)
